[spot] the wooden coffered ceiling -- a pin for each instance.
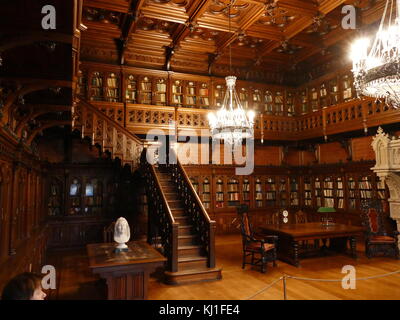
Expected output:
(270, 40)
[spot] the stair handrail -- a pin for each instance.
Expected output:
(194, 206)
(168, 227)
(104, 117)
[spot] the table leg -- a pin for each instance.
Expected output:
(295, 247)
(353, 246)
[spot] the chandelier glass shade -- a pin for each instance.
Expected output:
(377, 72)
(231, 123)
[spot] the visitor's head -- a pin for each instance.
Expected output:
(25, 286)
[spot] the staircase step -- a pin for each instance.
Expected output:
(191, 276)
(175, 204)
(190, 250)
(171, 195)
(183, 220)
(192, 263)
(185, 230)
(177, 212)
(185, 240)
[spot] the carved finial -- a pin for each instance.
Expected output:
(380, 131)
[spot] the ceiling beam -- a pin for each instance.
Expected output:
(129, 27)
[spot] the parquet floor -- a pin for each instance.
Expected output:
(75, 281)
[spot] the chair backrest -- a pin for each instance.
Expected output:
(301, 217)
(372, 216)
(245, 224)
(108, 233)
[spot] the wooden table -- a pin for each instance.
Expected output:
(127, 273)
(290, 235)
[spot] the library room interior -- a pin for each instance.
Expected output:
(199, 150)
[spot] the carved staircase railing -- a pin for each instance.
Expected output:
(204, 226)
(160, 214)
(107, 133)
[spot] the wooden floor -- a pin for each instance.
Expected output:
(75, 281)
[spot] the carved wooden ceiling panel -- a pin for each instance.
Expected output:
(269, 39)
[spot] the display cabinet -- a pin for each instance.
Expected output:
(246, 191)
(304, 102)
(329, 192)
(283, 194)
(219, 192)
(290, 104)
(307, 192)
(318, 192)
(323, 96)
(258, 192)
(145, 90)
(204, 96)
(112, 88)
(340, 193)
(206, 193)
(55, 202)
(131, 89)
(352, 193)
(294, 192)
(96, 86)
(279, 104)
(314, 99)
(268, 102)
(219, 94)
(177, 93)
(270, 192)
(333, 91)
(347, 88)
(160, 94)
(257, 100)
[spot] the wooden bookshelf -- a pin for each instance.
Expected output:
(160, 94)
(283, 193)
(233, 192)
(352, 193)
(294, 192)
(340, 193)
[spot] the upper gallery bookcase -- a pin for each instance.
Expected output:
(99, 82)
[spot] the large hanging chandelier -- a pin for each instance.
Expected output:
(231, 123)
(376, 74)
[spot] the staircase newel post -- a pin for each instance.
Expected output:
(211, 243)
(174, 249)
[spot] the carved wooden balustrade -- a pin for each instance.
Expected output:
(349, 116)
(204, 226)
(107, 132)
(160, 214)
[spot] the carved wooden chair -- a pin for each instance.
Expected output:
(261, 248)
(108, 233)
(378, 241)
(301, 217)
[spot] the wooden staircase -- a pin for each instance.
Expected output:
(187, 236)
(192, 260)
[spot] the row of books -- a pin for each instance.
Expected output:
(233, 196)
